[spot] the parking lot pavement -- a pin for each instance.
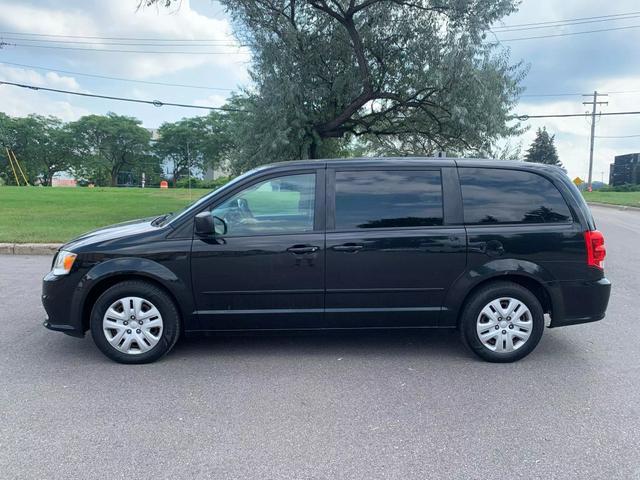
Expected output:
(410, 405)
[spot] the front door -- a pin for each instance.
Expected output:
(267, 269)
(390, 254)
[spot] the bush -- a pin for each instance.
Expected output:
(627, 187)
(200, 183)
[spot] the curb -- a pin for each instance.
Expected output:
(614, 206)
(29, 248)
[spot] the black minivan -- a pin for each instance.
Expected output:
(488, 247)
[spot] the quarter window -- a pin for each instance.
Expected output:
(278, 205)
(492, 195)
(388, 198)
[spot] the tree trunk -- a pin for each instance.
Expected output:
(313, 149)
(114, 177)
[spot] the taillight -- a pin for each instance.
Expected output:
(596, 250)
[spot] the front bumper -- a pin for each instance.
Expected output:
(68, 329)
(57, 295)
(583, 302)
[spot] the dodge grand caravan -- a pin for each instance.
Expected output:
(487, 247)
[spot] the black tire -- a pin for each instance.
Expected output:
(164, 304)
(482, 298)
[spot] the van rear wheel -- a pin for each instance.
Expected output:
(502, 322)
(135, 322)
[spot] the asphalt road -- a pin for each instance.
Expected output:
(392, 406)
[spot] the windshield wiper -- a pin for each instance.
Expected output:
(158, 220)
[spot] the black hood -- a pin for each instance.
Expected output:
(112, 232)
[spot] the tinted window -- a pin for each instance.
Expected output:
(510, 196)
(379, 199)
(277, 205)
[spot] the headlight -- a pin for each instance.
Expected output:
(64, 262)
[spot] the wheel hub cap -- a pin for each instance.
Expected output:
(504, 325)
(139, 336)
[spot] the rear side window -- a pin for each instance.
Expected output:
(388, 198)
(492, 195)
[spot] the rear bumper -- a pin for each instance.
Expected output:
(584, 301)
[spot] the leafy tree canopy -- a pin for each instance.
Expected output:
(42, 145)
(197, 142)
(109, 144)
(409, 76)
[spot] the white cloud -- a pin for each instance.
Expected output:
(31, 77)
(211, 101)
(21, 17)
(121, 18)
(20, 102)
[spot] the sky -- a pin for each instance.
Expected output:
(567, 65)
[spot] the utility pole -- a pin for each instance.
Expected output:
(594, 103)
(189, 172)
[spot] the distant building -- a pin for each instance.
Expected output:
(625, 169)
(221, 170)
(155, 136)
(63, 182)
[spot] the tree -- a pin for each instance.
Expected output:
(325, 71)
(6, 140)
(543, 150)
(193, 143)
(43, 145)
(108, 144)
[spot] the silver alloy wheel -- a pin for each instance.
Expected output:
(504, 325)
(132, 325)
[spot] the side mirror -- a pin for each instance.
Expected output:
(204, 224)
(219, 226)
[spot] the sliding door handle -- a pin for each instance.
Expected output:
(300, 249)
(348, 247)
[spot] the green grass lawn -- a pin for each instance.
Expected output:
(631, 199)
(42, 214)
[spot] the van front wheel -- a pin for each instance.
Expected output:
(135, 322)
(502, 322)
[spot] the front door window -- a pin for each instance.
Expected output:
(274, 206)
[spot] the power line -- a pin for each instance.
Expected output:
(567, 115)
(625, 92)
(617, 136)
(551, 95)
(575, 94)
(143, 39)
(135, 44)
(565, 24)
(568, 34)
(121, 51)
(157, 39)
(155, 103)
(203, 87)
(105, 77)
(158, 103)
(498, 27)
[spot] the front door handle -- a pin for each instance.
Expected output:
(492, 248)
(348, 247)
(300, 249)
